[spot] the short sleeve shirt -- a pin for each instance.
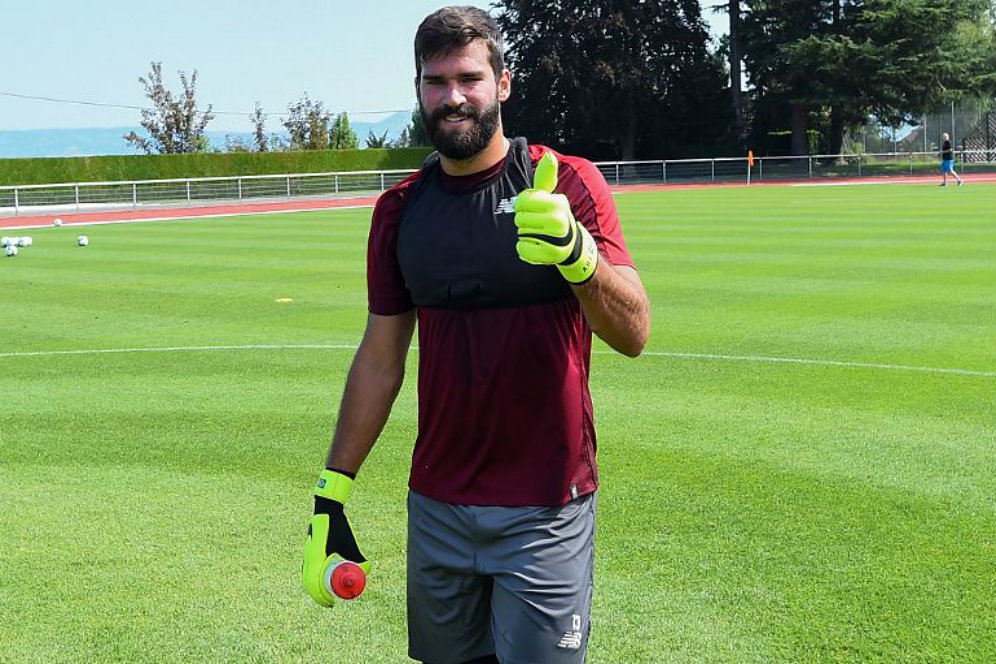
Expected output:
(504, 410)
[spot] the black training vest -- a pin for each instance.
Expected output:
(457, 250)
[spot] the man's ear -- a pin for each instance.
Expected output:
(504, 85)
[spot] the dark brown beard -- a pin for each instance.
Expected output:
(462, 145)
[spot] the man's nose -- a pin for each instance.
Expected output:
(454, 95)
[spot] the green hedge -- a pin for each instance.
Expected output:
(51, 170)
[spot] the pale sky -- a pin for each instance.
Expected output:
(353, 55)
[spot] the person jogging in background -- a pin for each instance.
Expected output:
(507, 255)
(947, 160)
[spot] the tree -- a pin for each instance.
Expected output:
(341, 135)
(415, 132)
(736, 62)
(618, 78)
(308, 124)
(174, 123)
(375, 141)
(831, 63)
(236, 144)
(258, 119)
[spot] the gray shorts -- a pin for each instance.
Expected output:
(511, 581)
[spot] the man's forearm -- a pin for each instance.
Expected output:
(616, 306)
(366, 404)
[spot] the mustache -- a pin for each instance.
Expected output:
(467, 110)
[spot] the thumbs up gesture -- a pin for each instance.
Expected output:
(548, 232)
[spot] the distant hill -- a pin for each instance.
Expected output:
(94, 141)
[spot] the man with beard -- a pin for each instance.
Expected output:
(506, 280)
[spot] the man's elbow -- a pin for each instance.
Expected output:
(634, 347)
(633, 343)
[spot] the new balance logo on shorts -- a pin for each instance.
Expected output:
(572, 637)
(505, 206)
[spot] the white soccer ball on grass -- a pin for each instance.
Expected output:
(11, 250)
(82, 240)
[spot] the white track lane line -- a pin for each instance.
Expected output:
(683, 356)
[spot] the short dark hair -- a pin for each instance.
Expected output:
(447, 29)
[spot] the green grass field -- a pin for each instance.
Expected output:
(839, 505)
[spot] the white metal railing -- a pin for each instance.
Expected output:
(83, 196)
(733, 169)
(182, 192)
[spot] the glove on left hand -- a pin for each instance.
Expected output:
(548, 232)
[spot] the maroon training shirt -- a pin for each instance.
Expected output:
(505, 415)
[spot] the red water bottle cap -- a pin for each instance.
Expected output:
(345, 580)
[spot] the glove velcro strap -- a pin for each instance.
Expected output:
(580, 266)
(334, 486)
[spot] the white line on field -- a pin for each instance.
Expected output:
(824, 363)
(684, 356)
(926, 180)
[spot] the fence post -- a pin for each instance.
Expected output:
(760, 168)
(911, 163)
(664, 169)
(17, 204)
(337, 183)
(188, 191)
(288, 187)
(617, 172)
(382, 181)
(859, 164)
(712, 163)
(810, 158)
(77, 195)
(240, 189)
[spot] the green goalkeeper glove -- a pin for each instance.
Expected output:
(548, 232)
(329, 535)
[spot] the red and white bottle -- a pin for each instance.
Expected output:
(344, 579)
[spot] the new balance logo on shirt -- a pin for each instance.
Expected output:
(505, 206)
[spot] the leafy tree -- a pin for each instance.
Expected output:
(341, 135)
(831, 63)
(308, 124)
(174, 123)
(236, 144)
(617, 78)
(375, 141)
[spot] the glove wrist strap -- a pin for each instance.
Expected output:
(334, 486)
(580, 266)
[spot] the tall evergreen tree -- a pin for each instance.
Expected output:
(258, 119)
(341, 135)
(617, 78)
(417, 134)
